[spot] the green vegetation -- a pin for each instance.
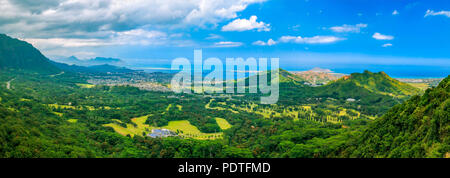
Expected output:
(72, 120)
(223, 124)
(417, 128)
(20, 55)
(83, 85)
(59, 115)
(422, 86)
(182, 128)
(379, 83)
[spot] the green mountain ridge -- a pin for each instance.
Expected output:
(417, 128)
(20, 55)
(368, 88)
(105, 68)
(379, 83)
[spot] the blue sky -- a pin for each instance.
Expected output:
(345, 35)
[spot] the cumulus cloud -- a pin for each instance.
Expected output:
(82, 46)
(379, 36)
(310, 40)
(433, 13)
(83, 23)
(246, 24)
(300, 40)
(269, 42)
(395, 12)
(386, 45)
(117, 15)
(348, 28)
(227, 44)
(131, 37)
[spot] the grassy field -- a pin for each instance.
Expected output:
(140, 129)
(422, 86)
(90, 108)
(333, 115)
(180, 108)
(59, 106)
(58, 114)
(72, 120)
(182, 127)
(208, 106)
(82, 85)
(223, 124)
(168, 107)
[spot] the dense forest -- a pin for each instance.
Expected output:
(417, 128)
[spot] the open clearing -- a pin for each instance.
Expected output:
(422, 86)
(90, 108)
(223, 124)
(82, 85)
(183, 127)
(72, 120)
(208, 106)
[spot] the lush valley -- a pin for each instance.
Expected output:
(50, 109)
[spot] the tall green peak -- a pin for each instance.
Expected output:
(20, 55)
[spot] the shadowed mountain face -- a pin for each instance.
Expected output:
(417, 128)
(17, 54)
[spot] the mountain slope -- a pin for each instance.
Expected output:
(17, 54)
(417, 128)
(379, 83)
(370, 93)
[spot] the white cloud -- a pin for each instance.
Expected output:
(386, 45)
(432, 13)
(227, 44)
(310, 40)
(42, 43)
(58, 18)
(213, 37)
(131, 37)
(379, 36)
(295, 27)
(244, 25)
(270, 42)
(70, 26)
(348, 28)
(395, 12)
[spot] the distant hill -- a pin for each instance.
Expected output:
(417, 128)
(72, 60)
(379, 83)
(17, 54)
(368, 92)
(286, 76)
(92, 69)
(318, 76)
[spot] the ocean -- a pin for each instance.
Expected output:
(395, 71)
